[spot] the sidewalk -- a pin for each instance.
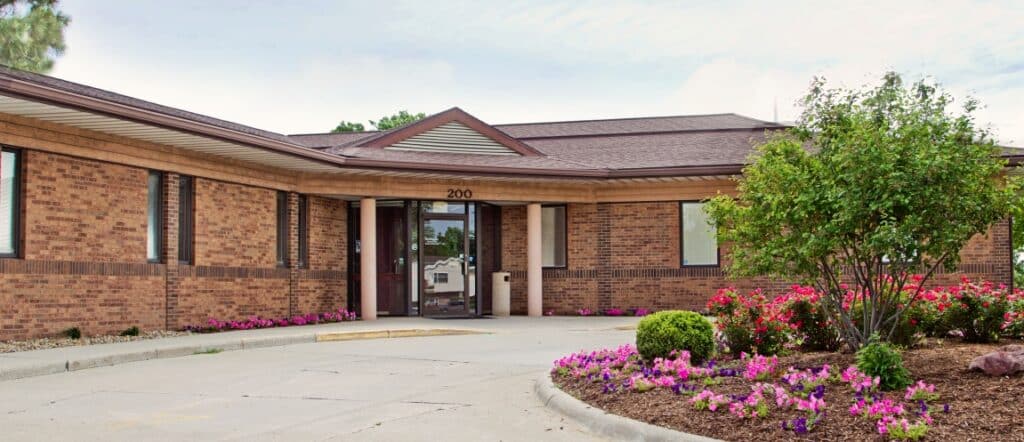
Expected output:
(25, 364)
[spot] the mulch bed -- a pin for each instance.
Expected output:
(982, 408)
(45, 343)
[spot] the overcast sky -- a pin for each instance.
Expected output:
(297, 67)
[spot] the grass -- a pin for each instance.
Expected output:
(209, 351)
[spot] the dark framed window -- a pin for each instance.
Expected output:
(698, 237)
(303, 231)
(282, 229)
(553, 231)
(186, 219)
(10, 202)
(154, 220)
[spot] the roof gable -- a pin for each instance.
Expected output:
(451, 131)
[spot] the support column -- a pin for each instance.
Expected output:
(534, 261)
(368, 258)
(169, 253)
(293, 254)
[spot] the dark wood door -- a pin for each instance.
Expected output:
(391, 286)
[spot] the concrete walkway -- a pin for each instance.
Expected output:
(467, 387)
(42, 362)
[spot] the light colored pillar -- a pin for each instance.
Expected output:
(534, 262)
(368, 258)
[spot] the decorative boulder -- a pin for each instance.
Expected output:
(1003, 362)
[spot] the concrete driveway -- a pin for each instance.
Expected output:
(470, 387)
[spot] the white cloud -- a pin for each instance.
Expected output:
(528, 61)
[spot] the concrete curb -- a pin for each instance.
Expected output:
(389, 334)
(28, 367)
(603, 423)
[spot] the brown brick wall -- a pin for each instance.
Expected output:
(641, 244)
(83, 210)
(85, 254)
(324, 285)
(235, 225)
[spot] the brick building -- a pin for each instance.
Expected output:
(117, 212)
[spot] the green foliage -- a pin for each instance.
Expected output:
(395, 120)
(815, 325)
(31, 34)
(209, 351)
(386, 122)
(659, 334)
(72, 333)
(348, 126)
(978, 315)
(865, 176)
(883, 360)
(914, 431)
(131, 331)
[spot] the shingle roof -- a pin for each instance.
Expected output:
(628, 143)
(632, 125)
(673, 149)
(321, 141)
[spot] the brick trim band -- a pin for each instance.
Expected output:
(232, 272)
(323, 275)
(33, 267)
(701, 272)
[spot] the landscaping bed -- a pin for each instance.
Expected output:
(970, 405)
(45, 343)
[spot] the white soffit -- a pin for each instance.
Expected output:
(453, 137)
(154, 134)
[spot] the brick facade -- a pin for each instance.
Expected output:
(626, 255)
(84, 259)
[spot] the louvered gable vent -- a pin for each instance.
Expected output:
(453, 137)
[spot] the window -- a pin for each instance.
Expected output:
(303, 231)
(153, 218)
(10, 202)
(552, 231)
(282, 229)
(186, 219)
(700, 241)
(440, 278)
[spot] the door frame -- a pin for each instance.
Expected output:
(421, 286)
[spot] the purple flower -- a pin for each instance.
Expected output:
(945, 408)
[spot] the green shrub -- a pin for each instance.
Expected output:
(131, 331)
(978, 312)
(73, 333)
(660, 333)
(815, 325)
(883, 360)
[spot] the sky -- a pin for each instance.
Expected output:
(300, 67)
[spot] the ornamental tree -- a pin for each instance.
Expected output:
(870, 193)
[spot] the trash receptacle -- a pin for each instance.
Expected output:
(501, 289)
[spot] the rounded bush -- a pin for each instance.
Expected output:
(660, 333)
(882, 360)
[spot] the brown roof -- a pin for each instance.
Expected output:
(652, 146)
(320, 141)
(641, 125)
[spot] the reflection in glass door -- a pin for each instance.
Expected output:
(444, 266)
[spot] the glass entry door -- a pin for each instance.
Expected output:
(445, 275)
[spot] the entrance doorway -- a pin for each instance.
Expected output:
(434, 258)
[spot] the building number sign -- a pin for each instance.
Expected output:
(460, 194)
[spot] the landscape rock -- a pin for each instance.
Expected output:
(1005, 361)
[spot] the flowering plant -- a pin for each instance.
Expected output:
(978, 310)
(759, 368)
(751, 322)
(215, 325)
